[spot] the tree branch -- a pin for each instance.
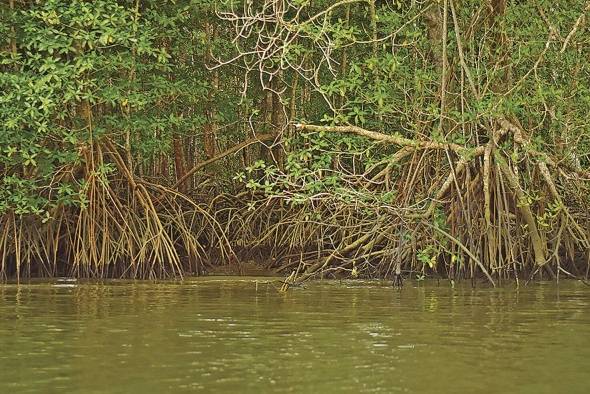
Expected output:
(233, 149)
(391, 139)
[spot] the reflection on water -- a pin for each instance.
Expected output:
(236, 336)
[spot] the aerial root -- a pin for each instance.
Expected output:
(488, 214)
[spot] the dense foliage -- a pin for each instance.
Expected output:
(364, 137)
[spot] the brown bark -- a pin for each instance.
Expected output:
(433, 18)
(177, 140)
(278, 121)
(498, 8)
(209, 145)
(266, 121)
(164, 167)
(178, 159)
(210, 128)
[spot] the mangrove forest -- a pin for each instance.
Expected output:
(307, 138)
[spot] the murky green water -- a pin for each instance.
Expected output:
(228, 336)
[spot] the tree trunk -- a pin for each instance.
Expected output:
(210, 128)
(278, 121)
(179, 160)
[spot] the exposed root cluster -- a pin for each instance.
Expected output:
(129, 228)
(451, 211)
(500, 210)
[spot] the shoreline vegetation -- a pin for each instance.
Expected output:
(335, 139)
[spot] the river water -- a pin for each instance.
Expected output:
(239, 335)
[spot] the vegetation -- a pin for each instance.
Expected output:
(359, 138)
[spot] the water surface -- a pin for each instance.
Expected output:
(233, 335)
